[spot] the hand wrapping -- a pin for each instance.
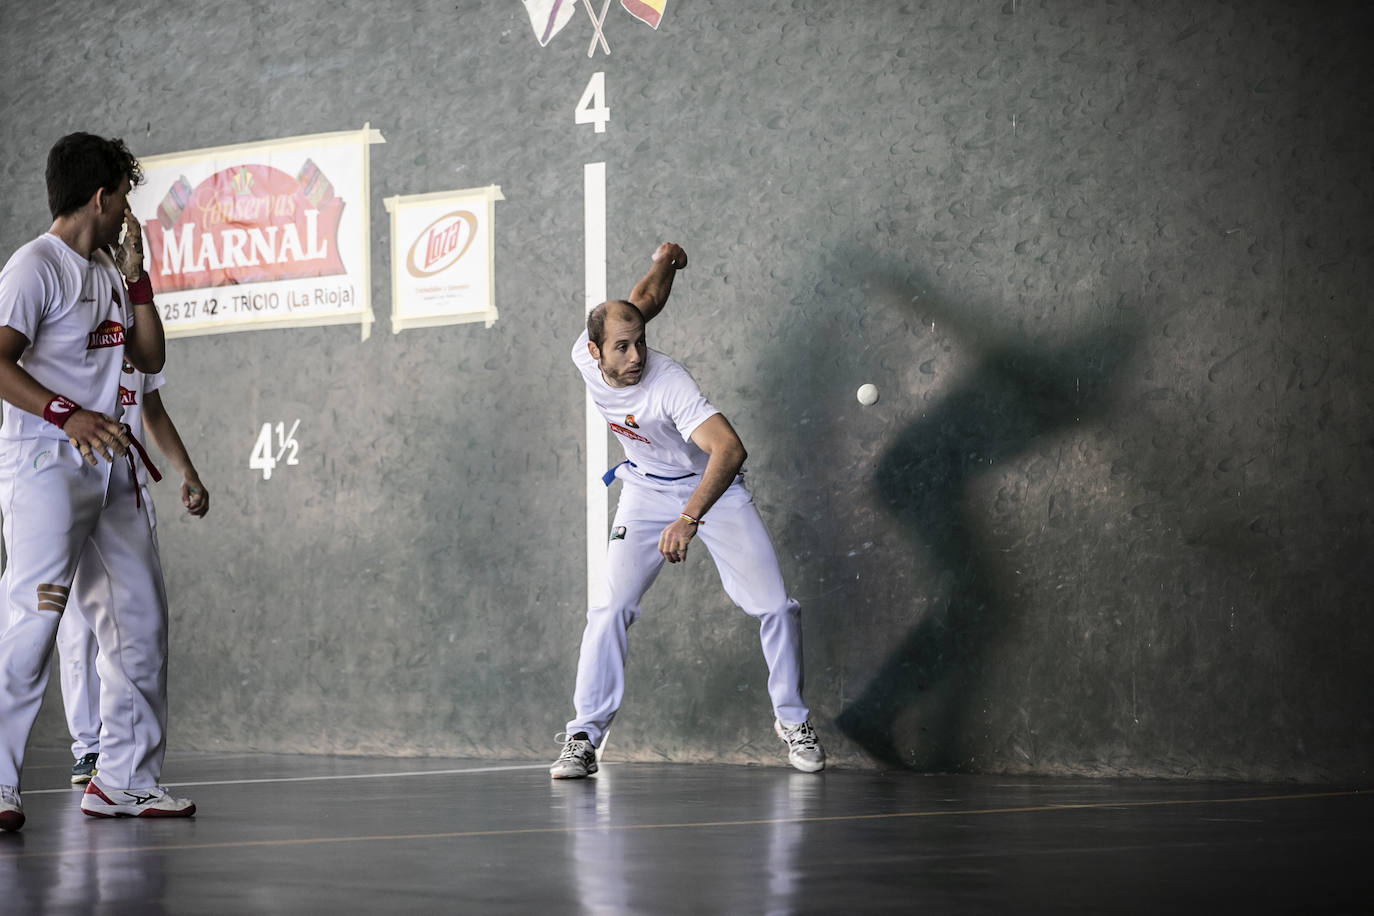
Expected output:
(129, 255)
(93, 433)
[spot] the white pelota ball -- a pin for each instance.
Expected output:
(868, 394)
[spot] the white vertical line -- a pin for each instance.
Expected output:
(594, 225)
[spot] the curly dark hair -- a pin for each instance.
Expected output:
(80, 163)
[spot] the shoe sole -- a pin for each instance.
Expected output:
(583, 775)
(145, 812)
(129, 810)
(82, 780)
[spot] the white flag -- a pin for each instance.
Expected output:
(547, 17)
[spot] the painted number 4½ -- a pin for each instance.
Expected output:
(591, 108)
(265, 457)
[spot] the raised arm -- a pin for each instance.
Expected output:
(650, 294)
(164, 434)
(718, 439)
(145, 345)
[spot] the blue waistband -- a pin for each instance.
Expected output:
(609, 476)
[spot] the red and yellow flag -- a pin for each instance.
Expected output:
(650, 11)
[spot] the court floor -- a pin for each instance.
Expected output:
(305, 834)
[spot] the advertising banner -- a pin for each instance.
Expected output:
(258, 235)
(443, 258)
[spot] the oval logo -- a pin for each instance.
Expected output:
(441, 244)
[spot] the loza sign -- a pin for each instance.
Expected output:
(442, 258)
(440, 244)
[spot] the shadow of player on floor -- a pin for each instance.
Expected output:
(1015, 394)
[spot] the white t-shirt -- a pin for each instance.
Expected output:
(655, 419)
(134, 387)
(73, 312)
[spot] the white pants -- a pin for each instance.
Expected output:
(734, 535)
(76, 651)
(57, 511)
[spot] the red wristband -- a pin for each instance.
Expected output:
(59, 410)
(141, 290)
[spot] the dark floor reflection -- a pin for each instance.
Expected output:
(619, 868)
(793, 797)
(370, 835)
(595, 845)
(106, 866)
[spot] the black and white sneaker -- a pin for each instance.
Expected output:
(577, 760)
(152, 801)
(11, 808)
(804, 749)
(84, 769)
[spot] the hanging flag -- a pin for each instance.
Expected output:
(547, 17)
(650, 11)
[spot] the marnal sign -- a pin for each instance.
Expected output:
(440, 244)
(245, 224)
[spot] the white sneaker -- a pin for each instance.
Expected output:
(577, 760)
(804, 749)
(154, 801)
(11, 808)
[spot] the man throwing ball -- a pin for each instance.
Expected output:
(681, 482)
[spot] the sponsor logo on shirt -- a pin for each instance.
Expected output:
(622, 431)
(127, 397)
(107, 334)
(630, 421)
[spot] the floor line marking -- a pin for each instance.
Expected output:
(275, 779)
(528, 831)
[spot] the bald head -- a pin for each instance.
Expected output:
(615, 339)
(614, 310)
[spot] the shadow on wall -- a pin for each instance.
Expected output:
(1014, 394)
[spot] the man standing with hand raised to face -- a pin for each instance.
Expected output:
(681, 481)
(68, 487)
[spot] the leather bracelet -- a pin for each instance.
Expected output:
(141, 290)
(59, 410)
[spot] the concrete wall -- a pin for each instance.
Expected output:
(1107, 262)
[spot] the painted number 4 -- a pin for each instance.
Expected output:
(265, 458)
(591, 108)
